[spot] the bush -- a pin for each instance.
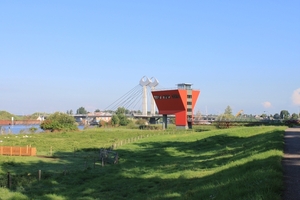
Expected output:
(123, 120)
(33, 129)
(292, 122)
(150, 127)
(141, 122)
(59, 122)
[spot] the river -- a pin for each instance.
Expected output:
(16, 129)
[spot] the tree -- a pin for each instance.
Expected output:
(59, 122)
(276, 116)
(4, 115)
(97, 110)
(123, 120)
(264, 116)
(284, 114)
(115, 120)
(70, 112)
(228, 111)
(81, 110)
(121, 111)
(227, 114)
(294, 116)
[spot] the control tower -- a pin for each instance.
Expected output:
(179, 102)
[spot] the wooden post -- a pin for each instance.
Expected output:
(20, 153)
(116, 158)
(8, 180)
(27, 149)
(40, 174)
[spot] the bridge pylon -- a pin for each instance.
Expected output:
(152, 83)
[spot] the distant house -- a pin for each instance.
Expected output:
(40, 118)
(101, 116)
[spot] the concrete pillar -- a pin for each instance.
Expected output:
(145, 100)
(165, 121)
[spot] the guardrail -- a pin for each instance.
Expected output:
(17, 151)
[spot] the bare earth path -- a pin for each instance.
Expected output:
(291, 164)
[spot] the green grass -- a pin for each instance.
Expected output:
(237, 163)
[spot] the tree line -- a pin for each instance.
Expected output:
(283, 115)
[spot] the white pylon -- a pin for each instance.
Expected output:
(152, 85)
(144, 82)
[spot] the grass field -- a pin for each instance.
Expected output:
(204, 163)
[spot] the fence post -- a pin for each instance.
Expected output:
(40, 174)
(8, 180)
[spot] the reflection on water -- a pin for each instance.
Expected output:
(15, 129)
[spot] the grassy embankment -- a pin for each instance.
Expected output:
(237, 163)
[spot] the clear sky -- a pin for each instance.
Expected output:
(61, 55)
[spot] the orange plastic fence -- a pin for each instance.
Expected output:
(17, 151)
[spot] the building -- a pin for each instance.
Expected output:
(179, 102)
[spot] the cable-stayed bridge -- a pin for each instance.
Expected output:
(138, 103)
(138, 100)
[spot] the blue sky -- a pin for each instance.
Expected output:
(61, 55)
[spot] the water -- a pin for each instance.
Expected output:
(16, 129)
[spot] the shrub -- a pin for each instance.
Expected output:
(59, 122)
(150, 127)
(292, 122)
(115, 120)
(33, 129)
(141, 122)
(123, 120)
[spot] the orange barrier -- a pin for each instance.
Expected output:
(17, 151)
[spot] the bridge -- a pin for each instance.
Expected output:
(94, 118)
(138, 103)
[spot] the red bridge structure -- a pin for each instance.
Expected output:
(179, 102)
